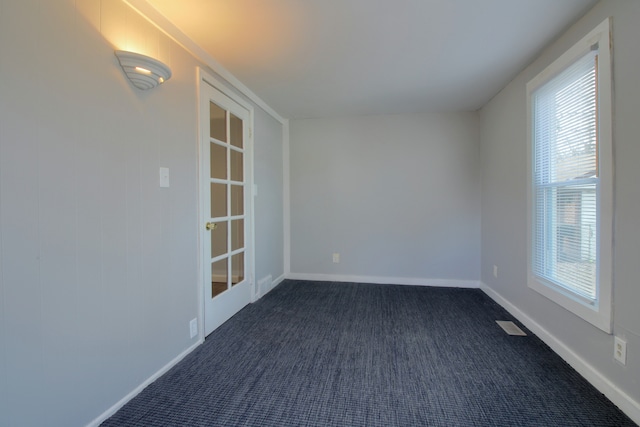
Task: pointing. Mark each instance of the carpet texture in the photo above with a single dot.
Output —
(344, 354)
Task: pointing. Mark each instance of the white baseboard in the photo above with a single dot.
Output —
(595, 377)
(277, 281)
(444, 283)
(112, 410)
(264, 286)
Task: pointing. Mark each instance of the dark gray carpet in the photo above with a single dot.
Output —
(340, 354)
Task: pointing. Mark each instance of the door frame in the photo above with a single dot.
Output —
(205, 78)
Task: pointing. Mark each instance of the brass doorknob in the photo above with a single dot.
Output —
(211, 226)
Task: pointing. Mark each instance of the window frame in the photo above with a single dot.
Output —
(598, 313)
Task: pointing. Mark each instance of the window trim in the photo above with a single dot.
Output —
(599, 313)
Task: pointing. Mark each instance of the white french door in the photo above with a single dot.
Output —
(226, 207)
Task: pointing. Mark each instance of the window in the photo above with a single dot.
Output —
(571, 179)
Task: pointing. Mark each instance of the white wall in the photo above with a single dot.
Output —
(398, 196)
(98, 265)
(504, 215)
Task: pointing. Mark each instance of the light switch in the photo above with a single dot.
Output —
(164, 177)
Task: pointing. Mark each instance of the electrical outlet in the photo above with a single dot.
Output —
(495, 271)
(193, 327)
(336, 258)
(620, 350)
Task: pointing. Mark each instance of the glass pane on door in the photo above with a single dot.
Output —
(237, 234)
(237, 268)
(218, 200)
(237, 170)
(237, 200)
(219, 277)
(235, 127)
(219, 239)
(217, 122)
(218, 161)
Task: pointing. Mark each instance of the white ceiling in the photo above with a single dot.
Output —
(319, 58)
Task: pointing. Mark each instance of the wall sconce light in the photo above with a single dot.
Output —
(143, 71)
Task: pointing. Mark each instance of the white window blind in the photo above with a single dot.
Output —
(566, 178)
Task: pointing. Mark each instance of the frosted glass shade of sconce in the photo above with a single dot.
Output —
(143, 71)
